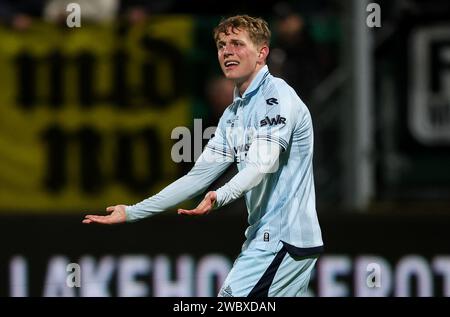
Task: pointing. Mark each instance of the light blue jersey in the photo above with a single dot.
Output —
(268, 132)
(282, 206)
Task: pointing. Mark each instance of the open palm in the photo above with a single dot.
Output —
(117, 215)
(205, 206)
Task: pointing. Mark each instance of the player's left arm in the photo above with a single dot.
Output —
(262, 158)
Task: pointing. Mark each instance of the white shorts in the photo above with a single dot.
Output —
(263, 273)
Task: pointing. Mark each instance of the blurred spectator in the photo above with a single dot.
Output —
(19, 14)
(219, 95)
(294, 55)
(91, 10)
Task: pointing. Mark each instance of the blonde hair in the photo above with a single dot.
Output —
(257, 28)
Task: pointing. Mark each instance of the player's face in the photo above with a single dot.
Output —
(239, 58)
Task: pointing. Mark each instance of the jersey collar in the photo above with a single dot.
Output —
(254, 86)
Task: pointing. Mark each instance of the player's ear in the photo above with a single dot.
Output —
(263, 53)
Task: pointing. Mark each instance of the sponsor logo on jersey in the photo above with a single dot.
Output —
(273, 121)
(272, 101)
(241, 148)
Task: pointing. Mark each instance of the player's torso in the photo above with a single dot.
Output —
(274, 205)
(241, 127)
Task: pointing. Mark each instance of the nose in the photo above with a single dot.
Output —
(227, 51)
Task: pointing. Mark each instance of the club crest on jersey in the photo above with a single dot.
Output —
(273, 121)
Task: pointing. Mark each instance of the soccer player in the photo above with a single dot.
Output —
(268, 132)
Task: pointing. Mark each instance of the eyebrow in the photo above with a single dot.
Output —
(232, 41)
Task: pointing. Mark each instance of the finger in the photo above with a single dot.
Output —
(99, 219)
(88, 219)
(186, 212)
(193, 212)
(92, 217)
(110, 208)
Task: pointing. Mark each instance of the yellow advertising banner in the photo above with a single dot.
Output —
(86, 113)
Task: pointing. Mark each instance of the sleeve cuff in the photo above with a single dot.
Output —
(219, 199)
(129, 214)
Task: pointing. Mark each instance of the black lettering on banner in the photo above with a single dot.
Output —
(26, 79)
(151, 86)
(163, 57)
(56, 63)
(126, 156)
(120, 91)
(149, 73)
(56, 87)
(89, 143)
(56, 142)
(86, 63)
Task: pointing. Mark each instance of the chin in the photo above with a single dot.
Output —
(230, 77)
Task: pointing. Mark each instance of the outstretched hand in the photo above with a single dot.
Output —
(117, 215)
(205, 206)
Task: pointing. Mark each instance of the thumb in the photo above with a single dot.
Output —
(110, 208)
(212, 195)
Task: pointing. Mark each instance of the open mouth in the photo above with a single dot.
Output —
(231, 64)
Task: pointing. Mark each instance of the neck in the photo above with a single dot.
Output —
(242, 86)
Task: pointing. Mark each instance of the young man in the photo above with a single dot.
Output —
(268, 131)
